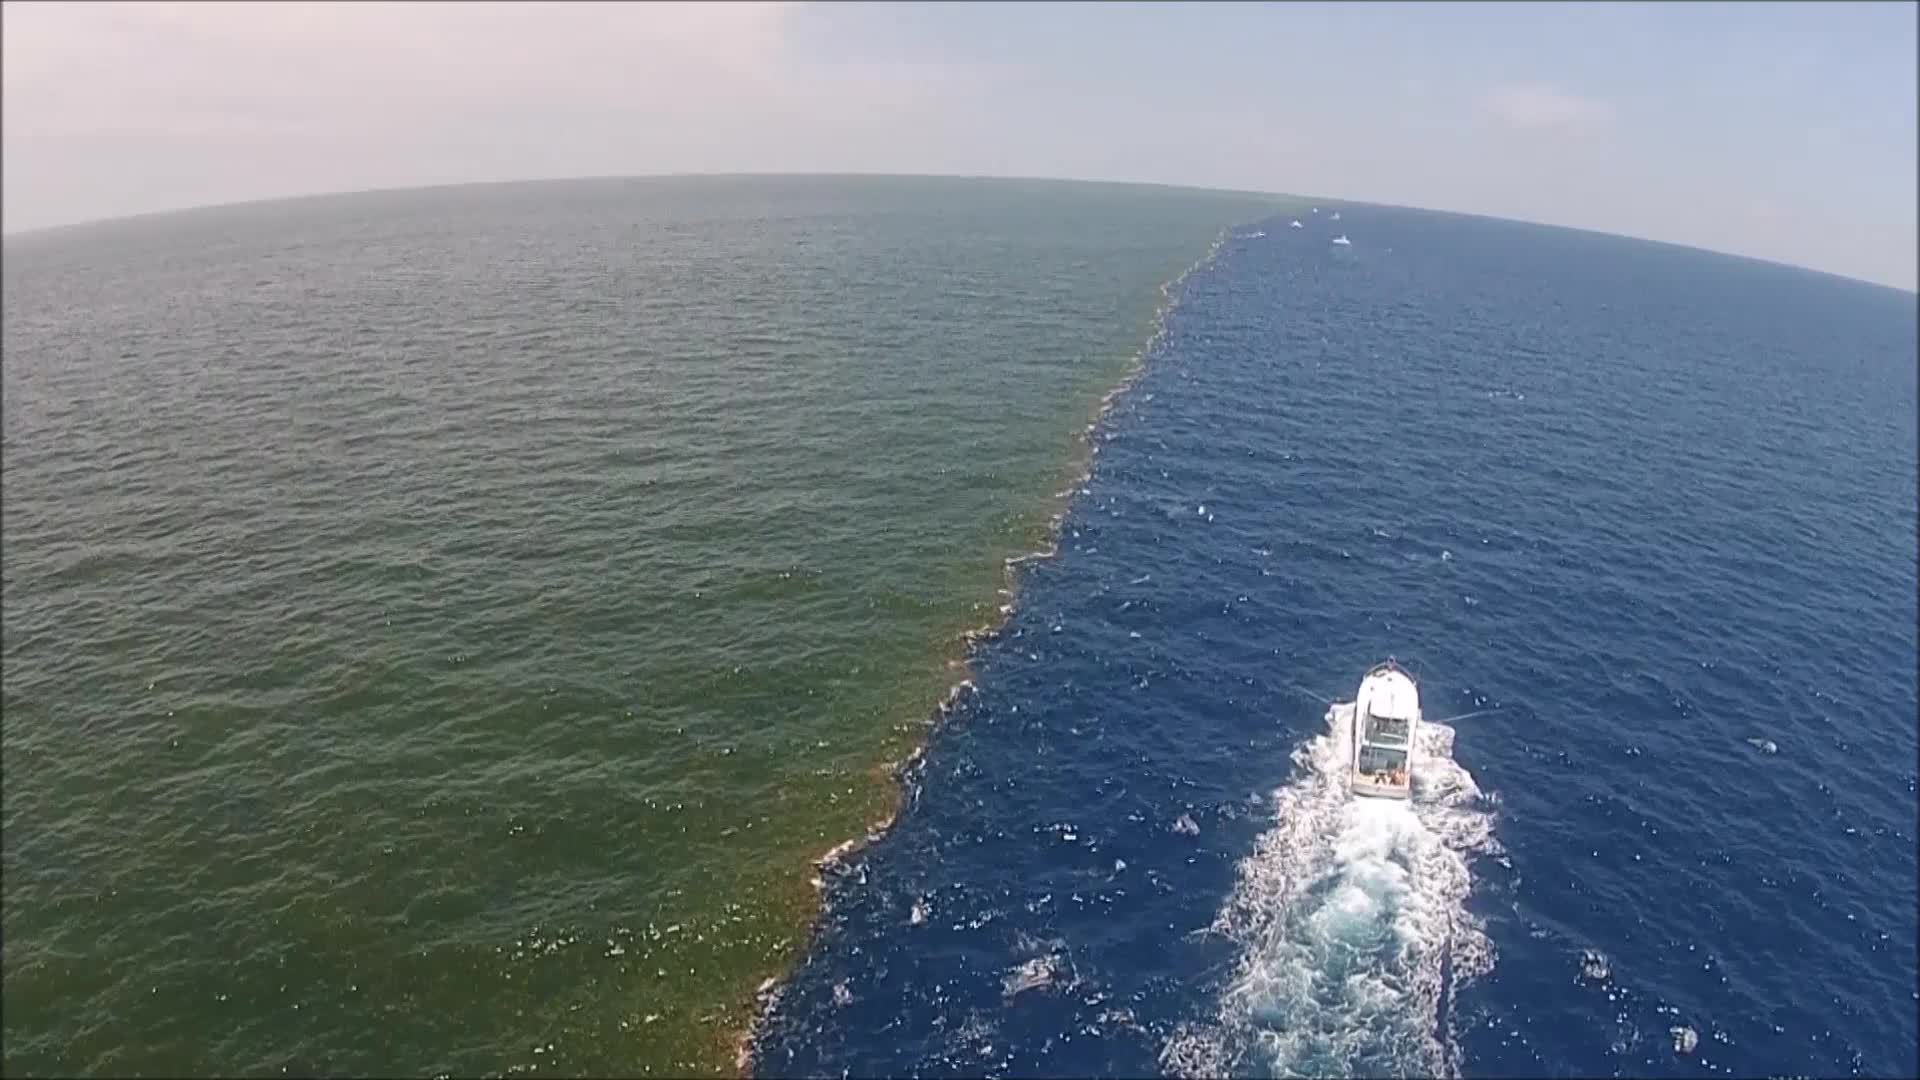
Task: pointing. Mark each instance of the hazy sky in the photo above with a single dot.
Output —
(1782, 131)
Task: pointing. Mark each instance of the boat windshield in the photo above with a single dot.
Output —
(1377, 762)
(1382, 729)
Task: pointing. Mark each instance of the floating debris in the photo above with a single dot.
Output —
(1035, 974)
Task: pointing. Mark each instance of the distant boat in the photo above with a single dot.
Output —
(1315, 210)
(1385, 722)
(1336, 215)
(1296, 224)
(1342, 240)
(1256, 235)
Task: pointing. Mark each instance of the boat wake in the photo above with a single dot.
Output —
(1351, 921)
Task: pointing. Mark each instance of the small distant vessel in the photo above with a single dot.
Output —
(1342, 240)
(1336, 215)
(1296, 224)
(1385, 719)
(1315, 210)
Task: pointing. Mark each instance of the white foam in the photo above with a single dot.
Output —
(1685, 1039)
(1351, 920)
(1594, 966)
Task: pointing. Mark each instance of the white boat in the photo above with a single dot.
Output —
(1342, 240)
(1296, 224)
(1385, 719)
(1336, 215)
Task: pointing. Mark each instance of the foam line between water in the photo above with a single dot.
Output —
(768, 993)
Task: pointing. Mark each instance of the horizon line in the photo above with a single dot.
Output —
(144, 215)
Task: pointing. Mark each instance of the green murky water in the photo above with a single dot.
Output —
(441, 628)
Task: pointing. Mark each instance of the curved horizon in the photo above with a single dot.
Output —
(1332, 200)
(1787, 132)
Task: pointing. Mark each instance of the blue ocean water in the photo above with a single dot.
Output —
(1644, 514)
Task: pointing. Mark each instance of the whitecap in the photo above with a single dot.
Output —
(1594, 966)
(1685, 1039)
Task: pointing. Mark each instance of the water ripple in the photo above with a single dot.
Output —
(461, 615)
(1647, 505)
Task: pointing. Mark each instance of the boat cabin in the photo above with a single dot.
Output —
(1386, 717)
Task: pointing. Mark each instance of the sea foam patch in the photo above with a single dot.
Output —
(1352, 926)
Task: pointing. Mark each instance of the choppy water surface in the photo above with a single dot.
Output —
(441, 628)
(1654, 508)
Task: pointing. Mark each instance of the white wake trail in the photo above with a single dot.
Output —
(1351, 920)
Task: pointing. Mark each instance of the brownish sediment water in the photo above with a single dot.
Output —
(888, 772)
(469, 614)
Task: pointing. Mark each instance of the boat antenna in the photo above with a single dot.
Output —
(1468, 715)
(1311, 694)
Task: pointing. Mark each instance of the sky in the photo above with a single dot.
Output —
(1781, 131)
